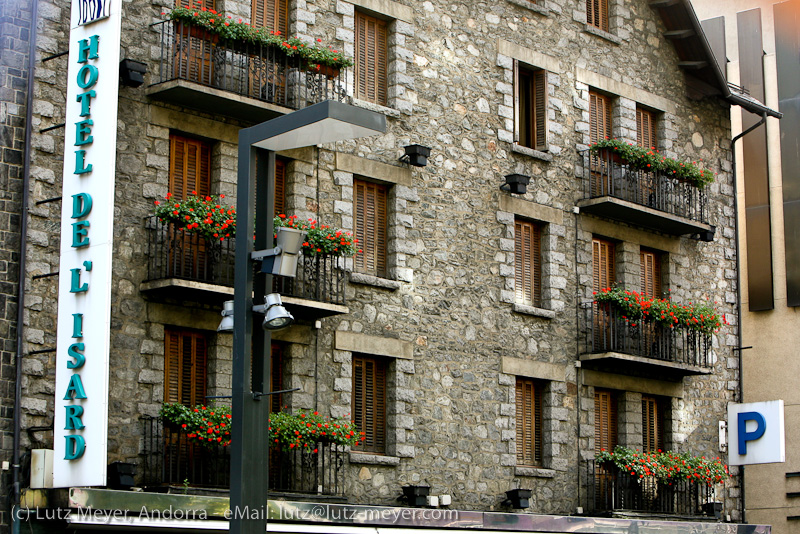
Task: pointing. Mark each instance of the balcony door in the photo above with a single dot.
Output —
(599, 129)
(603, 276)
(605, 438)
(267, 77)
(193, 50)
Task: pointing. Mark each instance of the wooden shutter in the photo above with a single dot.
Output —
(528, 263)
(602, 264)
(650, 273)
(193, 4)
(185, 367)
(369, 402)
(652, 424)
(270, 14)
(605, 420)
(597, 14)
(599, 117)
(371, 59)
(189, 167)
(645, 128)
(529, 422)
(370, 226)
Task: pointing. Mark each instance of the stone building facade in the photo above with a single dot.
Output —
(445, 319)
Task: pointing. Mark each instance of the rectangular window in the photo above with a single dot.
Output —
(370, 224)
(528, 262)
(603, 253)
(189, 167)
(530, 106)
(646, 128)
(599, 117)
(185, 366)
(529, 422)
(272, 15)
(371, 59)
(605, 420)
(369, 402)
(652, 424)
(650, 273)
(597, 14)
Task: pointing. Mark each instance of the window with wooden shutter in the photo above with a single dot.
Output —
(652, 424)
(272, 15)
(599, 117)
(185, 366)
(370, 224)
(650, 273)
(529, 422)
(602, 264)
(605, 420)
(193, 4)
(645, 128)
(530, 106)
(528, 262)
(597, 14)
(369, 402)
(189, 167)
(371, 63)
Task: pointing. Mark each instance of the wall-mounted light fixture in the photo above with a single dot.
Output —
(416, 495)
(282, 260)
(518, 498)
(708, 235)
(516, 184)
(131, 73)
(275, 315)
(226, 325)
(416, 155)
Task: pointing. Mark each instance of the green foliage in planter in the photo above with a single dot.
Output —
(666, 467)
(650, 159)
(305, 429)
(320, 238)
(209, 425)
(206, 216)
(635, 307)
(236, 31)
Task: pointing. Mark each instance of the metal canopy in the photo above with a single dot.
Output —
(325, 122)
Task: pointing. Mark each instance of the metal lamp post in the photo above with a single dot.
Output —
(321, 123)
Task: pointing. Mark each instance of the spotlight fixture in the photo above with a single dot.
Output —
(275, 315)
(226, 325)
(516, 184)
(416, 155)
(518, 498)
(282, 260)
(416, 495)
(708, 236)
(131, 72)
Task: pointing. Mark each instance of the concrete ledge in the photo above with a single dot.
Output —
(533, 310)
(531, 210)
(588, 28)
(538, 154)
(537, 472)
(533, 369)
(528, 4)
(369, 280)
(387, 7)
(373, 459)
(526, 55)
(379, 346)
(373, 169)
(648, 386)
(389, 112)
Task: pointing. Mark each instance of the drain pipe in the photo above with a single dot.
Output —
(26, 175)
(739, 349)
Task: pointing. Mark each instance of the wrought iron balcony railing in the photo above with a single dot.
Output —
(606, 175)
(605, 329)
(194, 54)
(169, 458)
(174, 253)
(609, 490)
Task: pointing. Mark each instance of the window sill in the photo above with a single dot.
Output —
(391, 112)
(373, 459)
(602, 34)
(533, 310)
(529, 4)
(375, 281)
(538, 154)
(537, 472)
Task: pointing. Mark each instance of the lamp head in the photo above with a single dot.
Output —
(226, 325)
(276, 316)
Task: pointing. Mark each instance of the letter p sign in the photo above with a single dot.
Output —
(757, 434)
(744, 435)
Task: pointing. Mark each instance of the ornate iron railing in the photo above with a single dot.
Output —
(169, 458)
(194, 54)
(605, 329)
(606, 175)
(174, 253)
(608, 489)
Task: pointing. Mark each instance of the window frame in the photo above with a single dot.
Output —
(371, 71)
(646, 128)
(597, 102)
(529, 422)
(606, 426)
(597, 14)
(175, 361)
(370, 417)
(651, 273)
(273, 11)
(653, 424)
(372, 237)
(180, 151)
(527, 263)
(530, 97)
(607, 264)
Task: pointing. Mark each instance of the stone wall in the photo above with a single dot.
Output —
(445, 318)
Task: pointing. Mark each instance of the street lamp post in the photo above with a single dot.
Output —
(321, 123)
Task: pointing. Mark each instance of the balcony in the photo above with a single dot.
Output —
(612, 492)
(247, 82)
(186, 266)
(612, 344)
(171, 463)
(615, 190)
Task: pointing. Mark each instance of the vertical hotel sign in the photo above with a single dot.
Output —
(87, 226)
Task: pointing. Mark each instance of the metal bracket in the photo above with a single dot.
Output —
(257, 394)
(261, 254)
